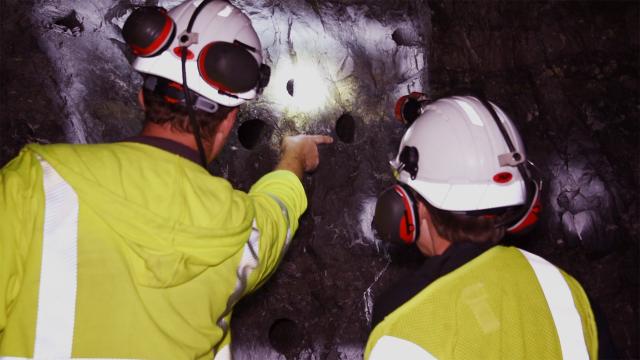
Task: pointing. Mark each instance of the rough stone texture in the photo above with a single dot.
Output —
(567, 72)
(95, 81)
(30, 109)
(329, 276)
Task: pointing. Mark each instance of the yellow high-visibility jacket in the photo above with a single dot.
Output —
(504, 304)
(127, 251)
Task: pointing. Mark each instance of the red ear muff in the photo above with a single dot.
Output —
(407, 226)
(399, 106)
(395, 218)
(407, 107)
(532, 214)
(229, 67)
(148, 31)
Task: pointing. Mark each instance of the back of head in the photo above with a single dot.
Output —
(209, 46)
(459, 149)
(465, 160)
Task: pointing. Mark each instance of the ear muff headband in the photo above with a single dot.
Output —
(185, 87)
(228, 67)
(148, 31)
(532, 215)
(525, 219)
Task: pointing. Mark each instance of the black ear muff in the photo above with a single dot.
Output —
(229, 67)
(265, 76)
(409, 158)
(148, 31)
(396, 216)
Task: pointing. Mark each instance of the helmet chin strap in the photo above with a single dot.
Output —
(187, 94)
(192, 116)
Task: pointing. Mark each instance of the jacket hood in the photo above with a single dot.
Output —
(173, 220)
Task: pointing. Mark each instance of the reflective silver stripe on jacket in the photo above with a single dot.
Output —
(59, 269)
(285, 213)
(566, 316)
(250, 260)
(222, 354)
(391, 347)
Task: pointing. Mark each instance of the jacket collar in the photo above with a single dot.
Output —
(167, 145)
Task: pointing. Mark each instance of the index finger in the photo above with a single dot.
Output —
(321, 139)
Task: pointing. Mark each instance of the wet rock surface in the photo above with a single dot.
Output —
(566, 72)
(30, 108)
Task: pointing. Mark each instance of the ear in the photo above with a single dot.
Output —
(423, 219)
(424, 241)
(141, 99)
(423, 213)
(432, 243)
(222, 133)
(226, 125)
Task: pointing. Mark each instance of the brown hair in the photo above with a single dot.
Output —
(465, 228)
(159, 111)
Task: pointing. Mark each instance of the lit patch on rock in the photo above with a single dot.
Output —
(298, 87)
(365, 218)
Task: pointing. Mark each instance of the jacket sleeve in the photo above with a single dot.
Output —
(279, 201)
(20, 194)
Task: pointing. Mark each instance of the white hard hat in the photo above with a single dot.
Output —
(219, 28)
(457, 158)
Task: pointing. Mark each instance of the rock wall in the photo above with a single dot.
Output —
(358, 59)
(567, 73)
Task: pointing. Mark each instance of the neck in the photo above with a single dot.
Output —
(430, 242)
(439, 244)
(165, 131)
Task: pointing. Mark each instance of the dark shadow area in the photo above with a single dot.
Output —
(30, 107)
(253, 132)
(286, 337)
(567, 73)
(346, 128)
(406, 37)
(69, 23)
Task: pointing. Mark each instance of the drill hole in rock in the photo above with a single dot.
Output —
(291, 87)
(253, 132)
(69, 24)
(346, 128)
(406, 37)
(286, 337)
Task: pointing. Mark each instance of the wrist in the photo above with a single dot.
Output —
(292, 162)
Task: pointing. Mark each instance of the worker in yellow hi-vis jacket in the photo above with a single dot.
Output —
(132, 250)
(463, 182)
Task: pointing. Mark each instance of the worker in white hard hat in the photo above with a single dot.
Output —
(132, 250)
(463, 182)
